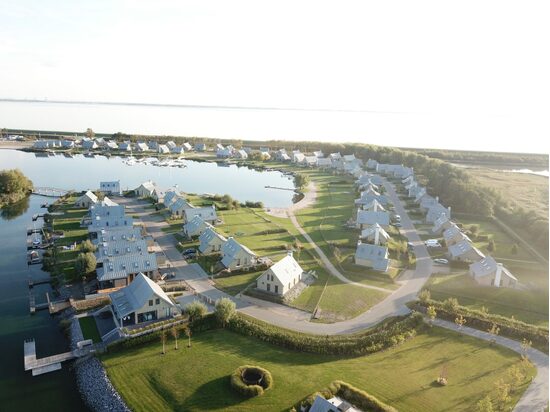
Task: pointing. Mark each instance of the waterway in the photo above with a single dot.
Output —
(82, 173)
(57, 391)
(19, 390)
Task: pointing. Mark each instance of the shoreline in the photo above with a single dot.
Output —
(94, 386)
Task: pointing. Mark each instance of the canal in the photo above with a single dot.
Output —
(19, 390)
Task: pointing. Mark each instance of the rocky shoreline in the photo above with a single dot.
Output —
(93, 383)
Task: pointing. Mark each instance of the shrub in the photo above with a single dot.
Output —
(351, 394)
(224, 310)
(238, 384)
(195, 310)
(482, 320)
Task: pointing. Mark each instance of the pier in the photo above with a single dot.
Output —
(49, 191)
(52, 306)
(49, 363)
(33, 283)
(279, 188)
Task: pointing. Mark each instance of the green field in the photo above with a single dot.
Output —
(197, 379)
(89, 328)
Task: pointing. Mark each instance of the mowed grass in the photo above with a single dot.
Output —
(89, 328)
(197, 378)
(529, 306)
(234, 284)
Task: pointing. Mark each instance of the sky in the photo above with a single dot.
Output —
(469, 70)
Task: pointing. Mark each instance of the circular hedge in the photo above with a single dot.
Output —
(251, 381)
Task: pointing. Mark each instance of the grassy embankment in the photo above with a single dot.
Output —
(69, 223)
(197, 378)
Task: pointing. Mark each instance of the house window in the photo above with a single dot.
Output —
(276, 288)
(269, 287)
(157, 301)
(151, 302)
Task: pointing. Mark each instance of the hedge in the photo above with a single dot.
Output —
(351, 394)
(387, 334)
(237, 383)
(382, 336)
(511, 328)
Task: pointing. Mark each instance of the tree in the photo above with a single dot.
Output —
(196, 310)
(491, 247)
(525, 346)
(502, 394)
(493, 330)
(14, 186)
(301, 180)
(85, 263)
(87, 246)
(516, 375)
(432, 313)
(474, 229)
(89, 133)
(485, 405)
(188, 334)
(425, 295)
(163, 341)
(224, 310)
(514, 249)
(175, 334)
(460, 321)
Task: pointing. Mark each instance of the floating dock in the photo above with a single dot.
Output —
(44, 365)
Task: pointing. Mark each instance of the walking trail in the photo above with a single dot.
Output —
(535, 397)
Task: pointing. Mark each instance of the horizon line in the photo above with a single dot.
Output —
(199, 106)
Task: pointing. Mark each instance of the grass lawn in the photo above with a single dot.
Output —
(530, 306)
(197, 379)
(236, 283)
(89, 328)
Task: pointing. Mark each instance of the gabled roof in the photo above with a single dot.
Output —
(170, 197)
(180, 204)
(113, 234)
(148, 185)
(206, 213)
(452, 232)
(207, 236)
(120, 247)
(368, 217)
(195, 225)
(377, 254)
(464, 247)
(89, 195)
(374, 205)
(285, 270)
(134, 296)
(371, 231)
(367, 198)
(488, 266)
(231, 248)
(119, 267)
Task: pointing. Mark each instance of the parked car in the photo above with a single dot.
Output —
(432, 243)
(186, 251)
(441, 261)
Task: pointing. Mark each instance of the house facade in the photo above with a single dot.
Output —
(110, 188)
(141, 301)
(281, 277)
(86, 200)
(236, 256)
(488, 272)
(211, 241)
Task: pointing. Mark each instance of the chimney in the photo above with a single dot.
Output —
(359, 242)
(437, 198)
(377, 236)
(375, 205)
(498, 275)
(289, 253)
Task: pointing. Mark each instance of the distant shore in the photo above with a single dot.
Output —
(15, 144)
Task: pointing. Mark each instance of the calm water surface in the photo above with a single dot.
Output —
(81, 173)
(19, 390)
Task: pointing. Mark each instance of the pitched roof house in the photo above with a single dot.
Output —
(170, 197)
(187, 146)
(142, 147)
(207, 213)
(211, 241)
(464, 251)
(141, 301)
(375, 234)
(200, 147)
(281, 277)
(374, 205)
(371, 164)
(366, 198)
(120, 270)
(373, 256)
(453, 235)
(163, 149)
(490, 273)
(107, 250)
(237, 256)
(241, 154)
(86, 200)
(437, 210)
(442, 223)
(178, 207)
(111, 188)
(146, 189)
(115, 234)
(195, 227)
(298, 157)
(318, 153)
(366, 218)
(324, 162)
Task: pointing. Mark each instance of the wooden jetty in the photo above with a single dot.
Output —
(33, 283)
(279, 188)
(49, 191)
(52, 306)
(39, 366)
(37, 216)
(33, 230)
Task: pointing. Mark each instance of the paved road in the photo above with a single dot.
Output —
(535, 398)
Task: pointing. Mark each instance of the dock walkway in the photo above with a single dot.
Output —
(49, 363)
